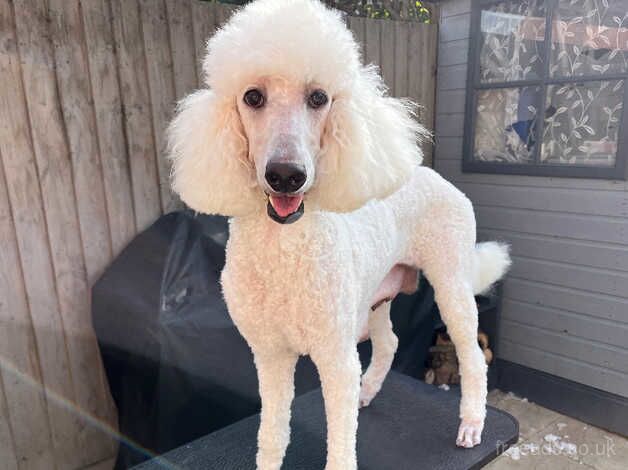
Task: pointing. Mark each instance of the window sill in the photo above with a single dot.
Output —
(563, 171)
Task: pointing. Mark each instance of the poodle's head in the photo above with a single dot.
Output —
(290, 119)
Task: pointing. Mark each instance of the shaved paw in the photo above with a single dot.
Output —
(470, 433)
(367, 393)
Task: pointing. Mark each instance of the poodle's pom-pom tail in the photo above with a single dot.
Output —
(491, 262)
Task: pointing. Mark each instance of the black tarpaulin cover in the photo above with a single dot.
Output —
(177, 366)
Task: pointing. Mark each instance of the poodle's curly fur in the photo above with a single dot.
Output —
(373, 218)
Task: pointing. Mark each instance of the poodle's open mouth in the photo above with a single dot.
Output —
(285, 209)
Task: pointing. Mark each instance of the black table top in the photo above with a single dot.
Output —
(410, 425)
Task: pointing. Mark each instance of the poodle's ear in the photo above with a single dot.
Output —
(210, 169)
(369, 146)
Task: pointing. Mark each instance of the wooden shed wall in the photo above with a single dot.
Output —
(565, 307)
(87, 88)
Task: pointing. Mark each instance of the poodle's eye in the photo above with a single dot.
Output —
(254, 98)
(317, 99)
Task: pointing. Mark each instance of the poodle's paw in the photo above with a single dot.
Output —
(367, 393)
(342, 464)
(470, 433)
(261, 465)
(269, 458)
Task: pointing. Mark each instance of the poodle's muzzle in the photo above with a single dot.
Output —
(285, 204)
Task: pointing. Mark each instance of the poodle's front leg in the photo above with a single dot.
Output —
(275, 372)
(458, 309)
(339, 368)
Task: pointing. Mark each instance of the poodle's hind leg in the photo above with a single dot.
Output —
(384, 343)
(276, 386)
(458, 309)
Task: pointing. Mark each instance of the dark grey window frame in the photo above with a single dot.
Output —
(471, 165)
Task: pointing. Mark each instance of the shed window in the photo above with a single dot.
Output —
(547, 88)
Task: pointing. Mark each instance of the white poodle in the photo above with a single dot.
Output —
(293, 128)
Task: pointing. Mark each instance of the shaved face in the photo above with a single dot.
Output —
(283, 122)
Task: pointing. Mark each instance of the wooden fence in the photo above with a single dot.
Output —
(86, 90)
(406, 55)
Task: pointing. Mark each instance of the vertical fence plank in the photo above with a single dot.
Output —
(204, 23)
(429, 88)
(431, 102)
(401, 59)
(55, 175)
(106, 92)
(223, 13)
(7, 446)
(372, 41)
(19, 362)
(387, 54)
(161, 87)
(78, 114)
(183, 46)
(136, 109)
(415, 62)
(421, 55)
(25, 199)
(356, 25)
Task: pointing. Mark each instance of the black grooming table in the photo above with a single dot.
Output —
(410, 425)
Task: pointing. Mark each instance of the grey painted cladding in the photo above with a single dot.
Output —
(565, 306)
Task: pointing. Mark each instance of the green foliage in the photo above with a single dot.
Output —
(412, 10)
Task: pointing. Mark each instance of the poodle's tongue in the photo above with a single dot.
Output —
(286, 205)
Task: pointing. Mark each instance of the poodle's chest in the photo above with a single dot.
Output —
(287, 299)
(306, 280)
(285, 277)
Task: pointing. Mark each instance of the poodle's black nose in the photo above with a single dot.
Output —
(285, 177)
